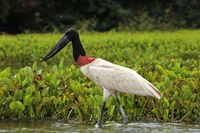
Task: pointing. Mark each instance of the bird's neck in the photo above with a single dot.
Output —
(84, 60)
(78, 49)
(79, 53)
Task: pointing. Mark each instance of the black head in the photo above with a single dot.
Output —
(70, 35)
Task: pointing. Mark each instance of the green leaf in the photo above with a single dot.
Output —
(155, 111)
(20, 105)
(18, 95)
(30, 90)
(187, 92)
(5, 72)
(165, 103)
(34, 66)
(25, 82)
(44, 65)
(160, 68)
(17, 105)
(111, 110)
(54, 99)
(37, 98)
(175, 94)
(166, 115)
(61, 63)
(167, 81)
(31, 112)
(172, 105)
(13, 106)
(54, 69)
(27, 99)
(45, 92)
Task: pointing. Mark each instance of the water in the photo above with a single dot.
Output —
(112, 127)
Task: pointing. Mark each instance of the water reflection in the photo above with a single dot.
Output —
(111, 127)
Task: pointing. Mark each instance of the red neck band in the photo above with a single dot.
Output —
(84, 60)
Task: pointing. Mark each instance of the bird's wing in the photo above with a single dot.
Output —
(122, 79)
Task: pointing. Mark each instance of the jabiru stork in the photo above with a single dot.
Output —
(111, 77)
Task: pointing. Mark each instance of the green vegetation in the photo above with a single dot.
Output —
(56, 89)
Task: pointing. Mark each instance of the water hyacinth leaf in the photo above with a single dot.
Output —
(61, 63)
(54, 100)
(172, 108)
(172, 105)
(64, 99)
(13, 106)
(18, 95)
(166, 115)
(45, 92)
(98, 99)
(175, 94)
(78, 112)
(17, 105)
(5, 91)
(167, 81)
(26, 72)
(44, 65)
(111, 110)
(122, 101)
(165, 103)
(38, 109)
(30, 90)
(18, 79)
(31, 112)
(160, 68)
(55, 69)
(177, 68)
(5, 72)
(186, 92)
(27, 99)
(56, 83)
(192, 85)
(34, 66)
(81, 100)
(20, 105)
(74, 88)
(9, 99)
(155, 111)
(25, 82)
(45, 100)
(37, 98)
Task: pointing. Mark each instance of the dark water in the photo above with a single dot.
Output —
(112, 127)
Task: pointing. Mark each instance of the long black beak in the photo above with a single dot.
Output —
(60, 45)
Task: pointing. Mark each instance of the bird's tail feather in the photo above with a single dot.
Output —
(152, 90)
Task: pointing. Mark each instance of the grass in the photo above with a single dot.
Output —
(56, 89)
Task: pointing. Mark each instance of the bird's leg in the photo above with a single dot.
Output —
(106, 94)
(99, 123)
(125, 118)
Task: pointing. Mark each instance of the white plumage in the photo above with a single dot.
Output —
(114, 78)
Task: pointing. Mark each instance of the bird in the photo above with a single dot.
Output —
(112, 78)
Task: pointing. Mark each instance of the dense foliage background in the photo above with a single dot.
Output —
(100, 15)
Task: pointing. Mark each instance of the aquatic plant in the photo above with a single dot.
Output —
(58, 90)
